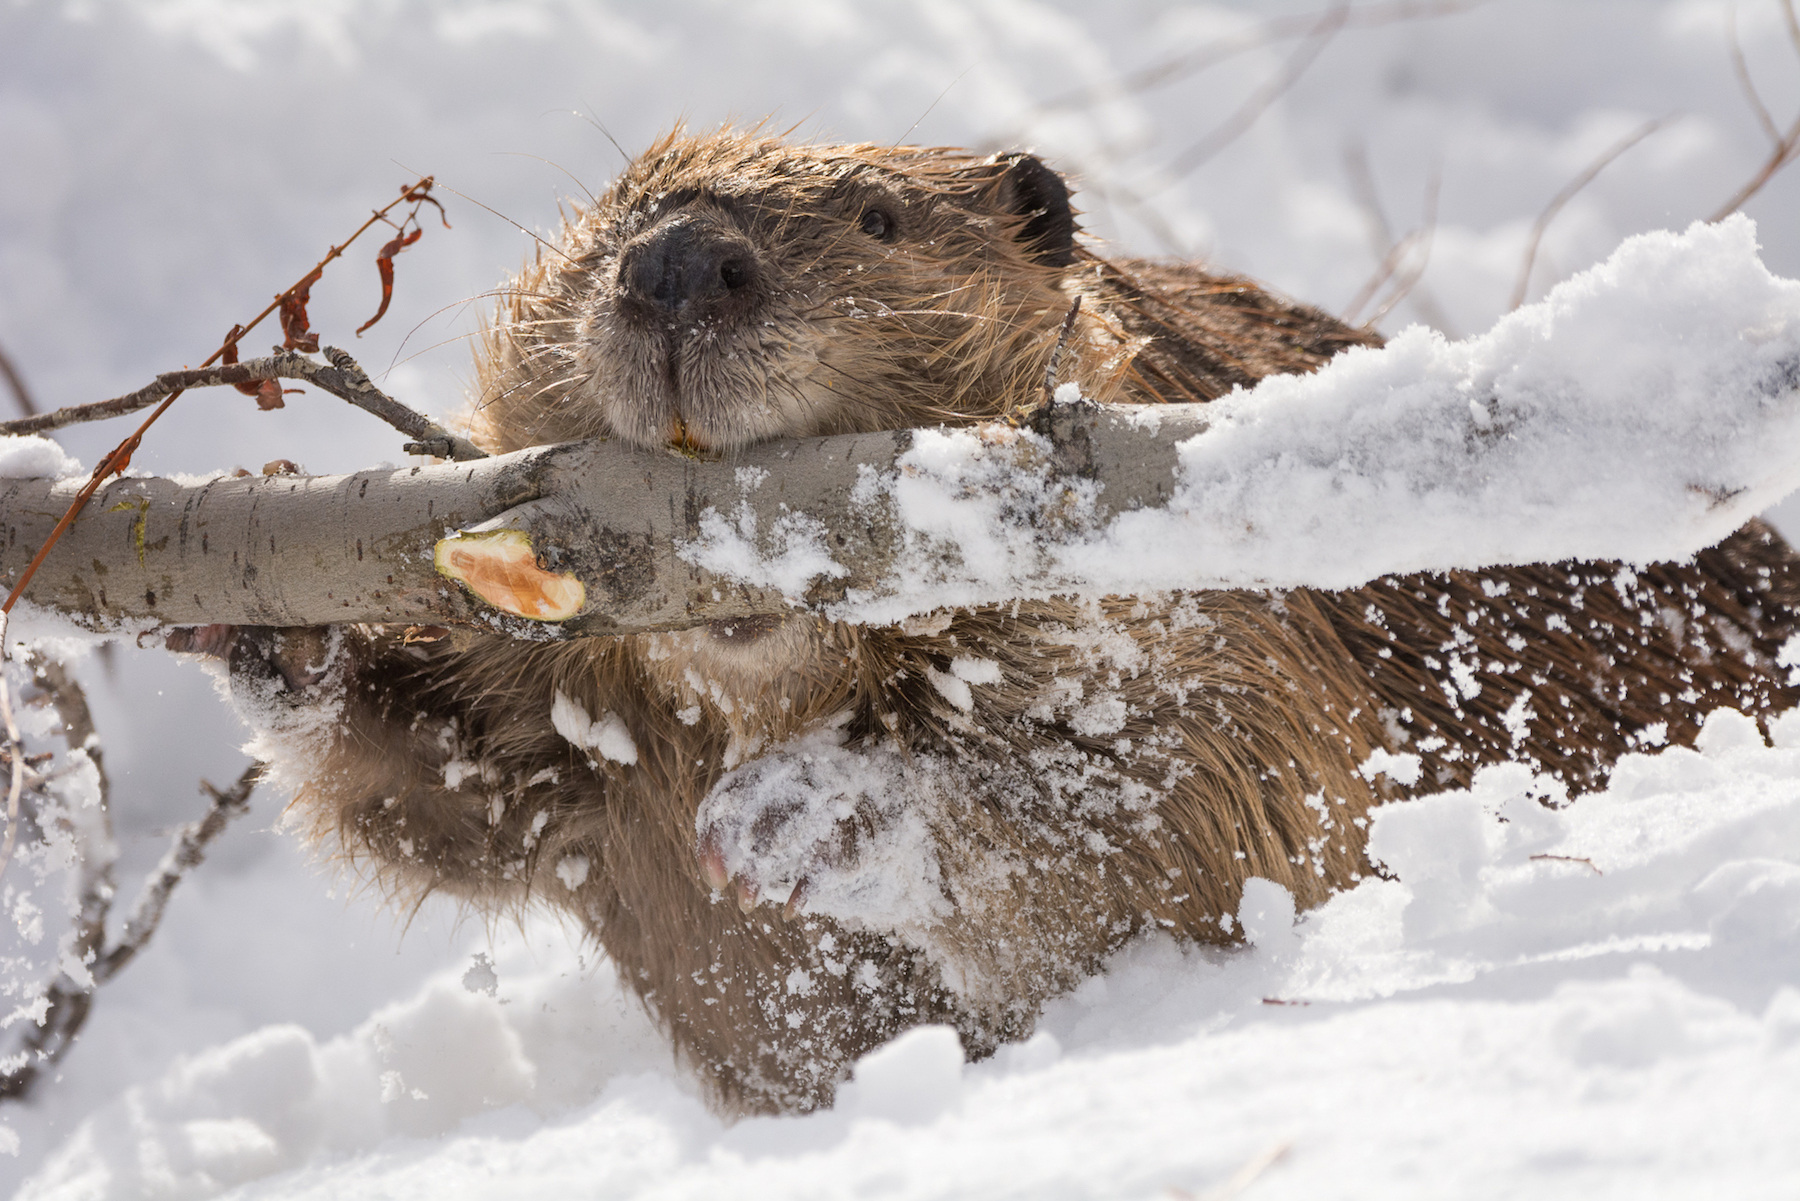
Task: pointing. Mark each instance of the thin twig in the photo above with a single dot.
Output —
(1780, 157)
(1234, 126)
(1192, 62)
(1390, 262)
(67, 1001)
(185, 854)
(1742, 69)
(1570, 859)
(1056, 354)
(70, 1001)
(119, 457)
(342, 377)
(15, 381)
(1388, 253)
(1567, 194)
(1423, 237)
(1786, 145)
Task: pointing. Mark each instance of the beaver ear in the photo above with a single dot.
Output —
(1029, 189)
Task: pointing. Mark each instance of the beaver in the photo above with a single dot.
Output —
(796, 837)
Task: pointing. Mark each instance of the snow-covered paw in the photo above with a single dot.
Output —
(827, 829)
(270, 667)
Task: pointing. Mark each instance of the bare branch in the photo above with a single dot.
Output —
(1787, 144)
(1568, 193)
(1234, 126)
(1422, 237)
(1384, 270)
(15, 381)
(599, 538)
(68, 1002)
(291, 303)
(1389, 254)
(1198, 59)
(15, 755)
(1742, 70)
(1784, 153)
(185, 854)
(342, 377)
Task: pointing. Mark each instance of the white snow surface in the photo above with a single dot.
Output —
(29, 456)
(605, 735)
(1485, 1024)
(1601, 1000)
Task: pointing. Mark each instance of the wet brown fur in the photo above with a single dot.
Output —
(1245, 716)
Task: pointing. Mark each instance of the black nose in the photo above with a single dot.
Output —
(683, 266)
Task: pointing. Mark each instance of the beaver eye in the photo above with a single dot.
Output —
(878, 225)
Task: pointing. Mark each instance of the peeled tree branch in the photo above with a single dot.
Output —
(588, 538)
(1578, 428)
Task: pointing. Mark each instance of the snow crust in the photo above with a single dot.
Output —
(1595, 1000)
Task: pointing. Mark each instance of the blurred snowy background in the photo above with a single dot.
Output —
(167, 165)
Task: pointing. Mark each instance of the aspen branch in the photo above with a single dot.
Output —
(623, 523)
(595, 538)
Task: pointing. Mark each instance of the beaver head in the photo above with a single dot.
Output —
(730, 288)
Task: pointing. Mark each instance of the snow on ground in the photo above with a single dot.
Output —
(1486, 1025)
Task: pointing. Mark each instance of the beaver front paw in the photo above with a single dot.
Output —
(266, 663)
(846, 833)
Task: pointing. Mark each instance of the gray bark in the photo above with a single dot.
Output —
(296, 550)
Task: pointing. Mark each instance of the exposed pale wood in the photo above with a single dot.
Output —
(297, 550)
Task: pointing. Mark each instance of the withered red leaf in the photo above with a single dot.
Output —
(384, 263)
(228, 354)
(295, 325)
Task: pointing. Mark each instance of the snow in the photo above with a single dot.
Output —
(1621, 1020)
(606, 735)
(1557, 1002)
(730, 548)
(28, 456)
(777, 820)
(1641, 411)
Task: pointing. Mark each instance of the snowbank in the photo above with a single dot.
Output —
(1601, 1000)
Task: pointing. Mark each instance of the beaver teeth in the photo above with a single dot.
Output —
(681, 437)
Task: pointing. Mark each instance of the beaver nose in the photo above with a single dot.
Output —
(685, 265)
